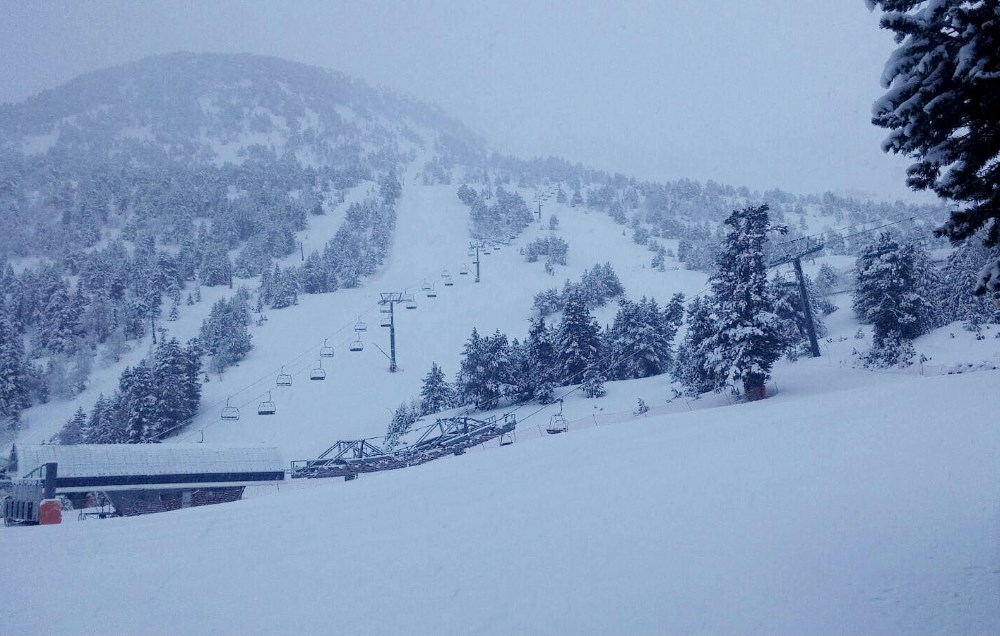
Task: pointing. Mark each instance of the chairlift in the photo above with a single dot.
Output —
(326, 351)
(267, 406)
(431, 292)
(557, 423)
(506, 439)
(357, 345)
(386, 322)
(426, 286)
(445, 273)
(284, 379)
(230, 412)
(448, 282)
(319, 373)
(411, 302)
(464, 271)
(360, 326)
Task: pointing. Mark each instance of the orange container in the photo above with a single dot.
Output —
(49, 512)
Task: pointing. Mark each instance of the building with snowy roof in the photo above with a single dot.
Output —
(144, 478)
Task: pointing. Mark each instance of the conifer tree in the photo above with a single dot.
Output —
(748, 336)
(543, 364)
(436, 394)
(224, 334)
(103, 425)
(137, 403)
(73, 430)
(942, 107)
(483, 377)
(885, 297)
(13, 372)
(402, 421)
(692, 368)
(578, 339)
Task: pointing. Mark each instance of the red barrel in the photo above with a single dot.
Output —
(49, 512)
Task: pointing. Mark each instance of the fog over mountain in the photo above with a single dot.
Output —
(753, 94)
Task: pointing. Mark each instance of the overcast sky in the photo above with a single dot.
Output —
(760, 93)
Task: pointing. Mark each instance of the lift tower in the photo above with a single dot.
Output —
(390, 299)
(475, 246)
(793, 254)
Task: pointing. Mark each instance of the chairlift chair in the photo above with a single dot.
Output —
(267, 406)
(386, 322)
(326, 351)
(230, 412)
(360, 326)
(357, 345)
(319, 373)
(464, 271)
(431, 292)
(448, 282)
(284, 379)
(557, 423)
(506, 439)
(445, 273)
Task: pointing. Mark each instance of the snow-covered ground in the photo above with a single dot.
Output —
(849, 501)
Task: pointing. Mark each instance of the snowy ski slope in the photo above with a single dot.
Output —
(849, 501)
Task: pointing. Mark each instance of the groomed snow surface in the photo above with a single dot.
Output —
(870, 507)
(847, 502)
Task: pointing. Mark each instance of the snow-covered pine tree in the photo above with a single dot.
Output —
(578, 339)
(521, 382)
(103, 425)
(484, 374)
(542, 360)
(593, 384)
(137, 403)
(942, 107)
(224, 334)
(170, 381)
(436, 394)
(638, 348)
(958, 275)
(402, 420)
(748, 336)
(13, 373)
(692, 368)
(60, 322)
(885, 297)
(929, 283)
(73, 430)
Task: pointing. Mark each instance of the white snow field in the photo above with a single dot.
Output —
(848, 502)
